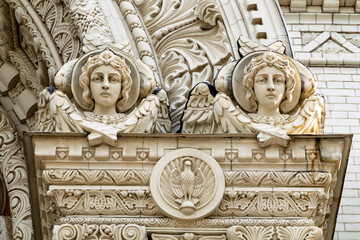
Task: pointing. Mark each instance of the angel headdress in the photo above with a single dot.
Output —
(264, 92)
(110, 93)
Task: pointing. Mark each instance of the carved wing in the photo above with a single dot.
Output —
(143, 118)
(247, 46)
(163, 123)
(199, 182)
(58, 113)
(310, 119)
(45, 120)
(175, 183)
(229, 118)
(198, 115)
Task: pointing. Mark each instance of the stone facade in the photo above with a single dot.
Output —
(181, 43)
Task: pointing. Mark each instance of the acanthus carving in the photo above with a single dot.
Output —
(301, 233)
(95, 177)
(250, 233)
(90, 23)
(207, 223)
(35, 45)
(190, 42)
(272, 178)
(110, 202)
(57, 19)
(242, 203)
(85, 231)
(186, 236)
(13, 167)
(26, 69)
(5, 33)
(268, 233)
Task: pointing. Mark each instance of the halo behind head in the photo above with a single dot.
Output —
(106, 57)
(240, 91)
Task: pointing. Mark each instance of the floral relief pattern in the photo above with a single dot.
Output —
(89, 202)
(13, 166)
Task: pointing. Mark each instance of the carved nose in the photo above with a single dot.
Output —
(270, 85)
(105, 84)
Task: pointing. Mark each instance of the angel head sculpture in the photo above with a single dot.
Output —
(110, 92)
(269, 83)
(106, 83)
(264, 92)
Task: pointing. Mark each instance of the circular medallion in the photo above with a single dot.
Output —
(187, 184)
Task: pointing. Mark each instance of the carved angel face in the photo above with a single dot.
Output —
(269, 88)
(105, 87)
(106, 82)
(269, 82)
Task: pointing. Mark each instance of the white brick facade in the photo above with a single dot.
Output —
(322, 42)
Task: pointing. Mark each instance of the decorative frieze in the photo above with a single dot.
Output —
(97, 232)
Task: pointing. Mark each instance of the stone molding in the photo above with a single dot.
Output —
(301, 184)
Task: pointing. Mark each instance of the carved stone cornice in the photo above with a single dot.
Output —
(270, 184)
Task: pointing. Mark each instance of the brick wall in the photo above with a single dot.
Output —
(328, 43)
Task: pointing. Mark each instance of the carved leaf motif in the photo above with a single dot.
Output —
(250, 233)
(294, 233)
(281, 177)
(13, 166)
(183, 35)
